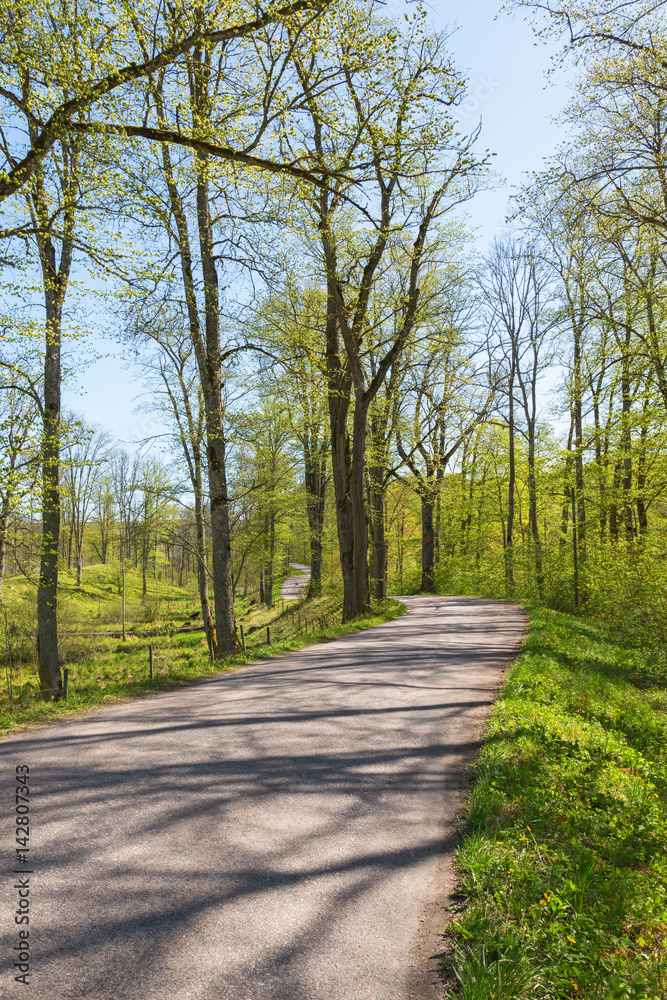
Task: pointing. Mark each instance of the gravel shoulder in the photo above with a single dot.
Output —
(284, 832)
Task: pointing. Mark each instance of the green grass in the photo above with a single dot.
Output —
(563, 865)
(105, 670)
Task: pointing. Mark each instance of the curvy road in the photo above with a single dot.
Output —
(283, 832)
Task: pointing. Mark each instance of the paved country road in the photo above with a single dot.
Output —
(279, 833)
(294, 586)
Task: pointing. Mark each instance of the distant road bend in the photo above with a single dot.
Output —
(280, 833)
(294, 586)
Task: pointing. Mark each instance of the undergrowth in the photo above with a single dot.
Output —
(563, 866)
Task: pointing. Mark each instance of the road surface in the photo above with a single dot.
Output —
(294, 586)
(279, 833)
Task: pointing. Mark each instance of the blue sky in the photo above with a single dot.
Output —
(508, 90)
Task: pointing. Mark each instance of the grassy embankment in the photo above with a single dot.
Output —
(563, 865)
(104, 670)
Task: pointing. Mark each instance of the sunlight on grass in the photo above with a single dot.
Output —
(105, 669)
(563, 868)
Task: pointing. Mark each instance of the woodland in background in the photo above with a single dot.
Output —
(344, 379)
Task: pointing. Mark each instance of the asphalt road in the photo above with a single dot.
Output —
(283, 832)
(294, 586)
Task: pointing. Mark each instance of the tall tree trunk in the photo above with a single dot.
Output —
(4, 531)
(47, 593)
(565, 510)
(532, 511)
(511, 489)
(70, 542)
(315, 481)
(357, 491)
(338, 392)
(580, 502)
(268, 570)
(202, 570)
(209, 364)
(144, 564)
(642, 506)
(55, 278)
(626, 443)
(376, 507)
(428, 539)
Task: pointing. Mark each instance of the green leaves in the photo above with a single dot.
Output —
(567, 825)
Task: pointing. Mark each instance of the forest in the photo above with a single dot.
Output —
(343, 376)
(264, 209)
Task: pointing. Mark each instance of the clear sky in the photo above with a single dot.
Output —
(508, 90)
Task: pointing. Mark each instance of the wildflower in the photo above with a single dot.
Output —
(510, 871)
(571, 939)
(543, 902)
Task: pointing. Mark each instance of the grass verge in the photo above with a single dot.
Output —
(119, 670)
(563, 865)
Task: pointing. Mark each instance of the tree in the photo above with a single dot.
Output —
(517, 291)
(390, 126)
(266, 474)
(446, 402)
(570, 248)
(19, 455)
(95, 53)
(169, 370)
(197, 198)
(288, 328)
(125, 474)
(84, 451)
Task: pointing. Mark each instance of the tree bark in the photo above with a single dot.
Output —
(55, 279)
(532, 511)
(338, 390)
(202, 569)
(580, 504)
(209, 363)
(428, 543)
(315, 459)
(511, 489)
(376, 506)
(4, 530)
(626, 443)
